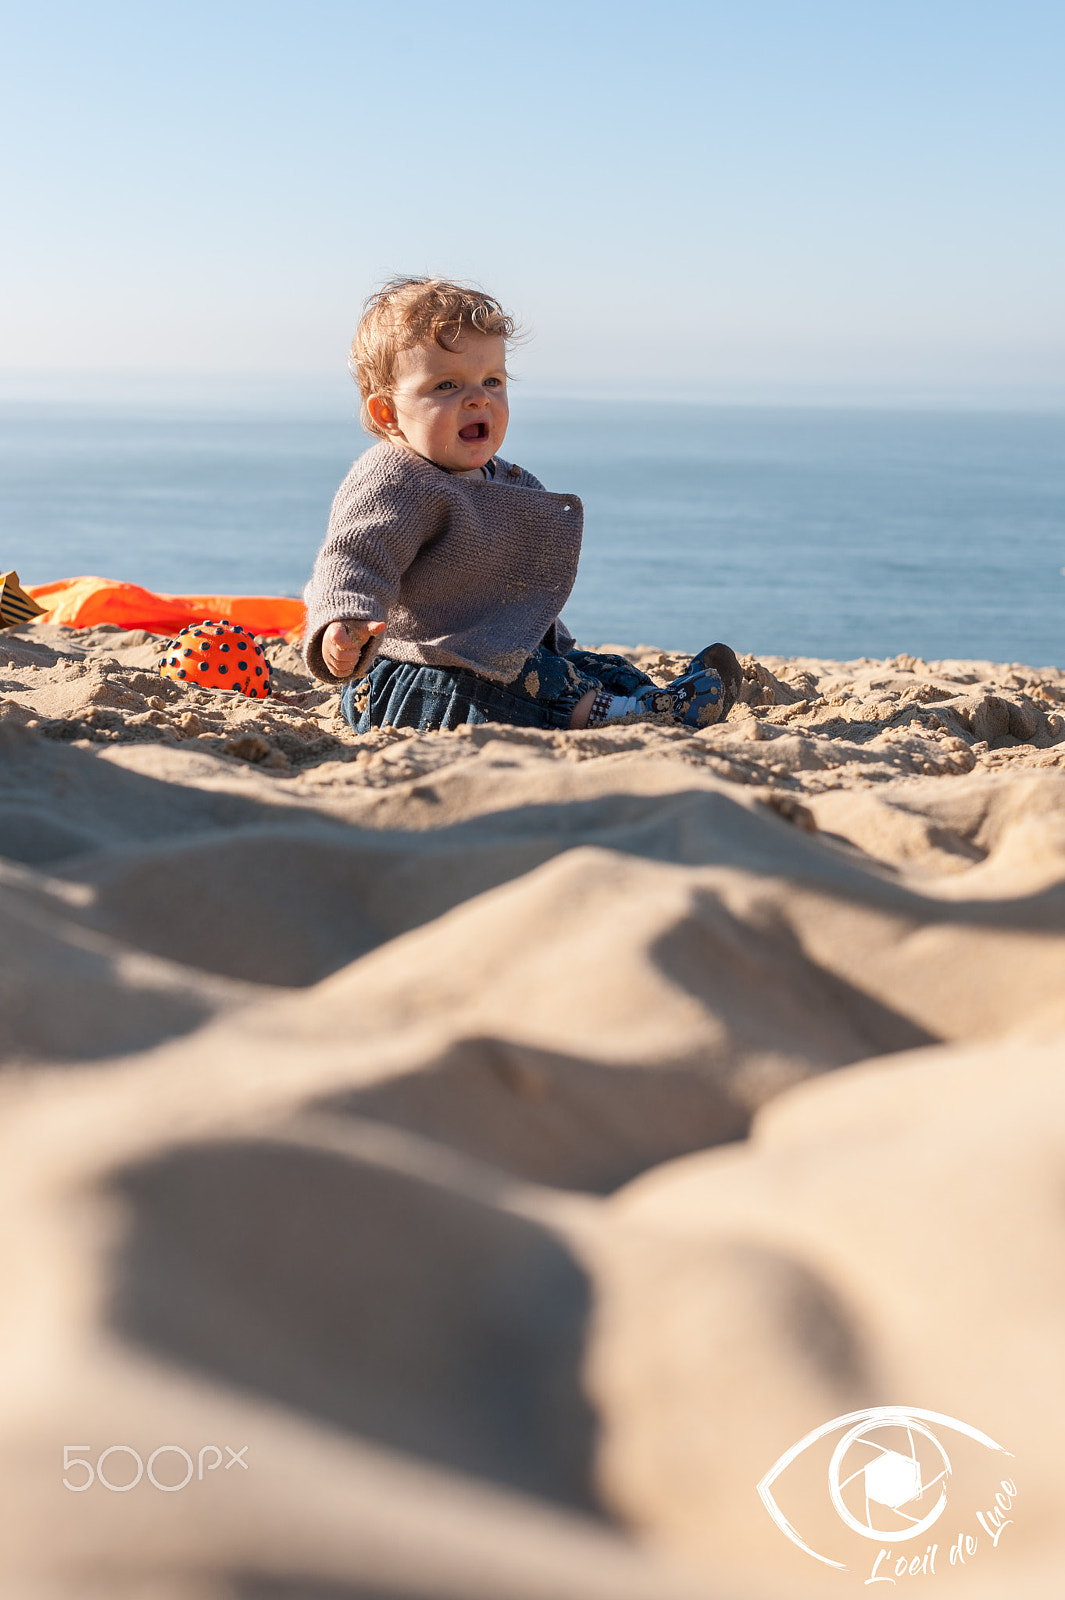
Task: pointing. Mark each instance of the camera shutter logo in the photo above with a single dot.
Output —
(881, 1476)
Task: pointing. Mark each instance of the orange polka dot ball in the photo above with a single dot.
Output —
(218, 655)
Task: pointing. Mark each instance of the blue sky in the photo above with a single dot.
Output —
(719, 200)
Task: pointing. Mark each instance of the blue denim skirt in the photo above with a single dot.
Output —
(403, 694)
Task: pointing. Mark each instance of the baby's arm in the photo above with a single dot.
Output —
(344, 642)
(376, 528)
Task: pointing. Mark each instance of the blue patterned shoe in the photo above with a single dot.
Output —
(704, 693)
(707, 689)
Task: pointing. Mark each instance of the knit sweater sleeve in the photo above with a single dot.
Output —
(376, 527)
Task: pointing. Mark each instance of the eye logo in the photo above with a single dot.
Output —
(888, 1475)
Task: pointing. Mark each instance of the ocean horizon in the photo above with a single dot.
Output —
(785, 530)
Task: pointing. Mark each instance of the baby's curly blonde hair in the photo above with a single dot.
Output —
(410, 311)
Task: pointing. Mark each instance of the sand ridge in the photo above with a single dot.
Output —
(520, 1139)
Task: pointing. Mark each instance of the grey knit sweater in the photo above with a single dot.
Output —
(468, 572)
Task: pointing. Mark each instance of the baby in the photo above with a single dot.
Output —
(435, 598)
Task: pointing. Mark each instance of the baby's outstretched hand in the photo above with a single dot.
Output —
(344, 642)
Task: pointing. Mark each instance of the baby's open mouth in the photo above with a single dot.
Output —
(474, 430)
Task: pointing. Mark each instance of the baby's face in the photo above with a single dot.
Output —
(449, 405)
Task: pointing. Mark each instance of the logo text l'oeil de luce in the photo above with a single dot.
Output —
(887, 1482)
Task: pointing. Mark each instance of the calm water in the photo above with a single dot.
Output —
(839, 533)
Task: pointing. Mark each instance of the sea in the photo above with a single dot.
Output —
(783, 531)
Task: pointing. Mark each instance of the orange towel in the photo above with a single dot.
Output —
(85, 602)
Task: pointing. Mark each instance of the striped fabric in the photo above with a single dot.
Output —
(15, 604)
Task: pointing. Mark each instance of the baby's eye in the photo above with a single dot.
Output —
(493, 383)
(447, 384)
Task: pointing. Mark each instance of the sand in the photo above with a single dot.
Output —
(517, 1141)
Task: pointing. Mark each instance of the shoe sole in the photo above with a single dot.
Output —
(723, 660)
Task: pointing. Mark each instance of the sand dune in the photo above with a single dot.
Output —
(520, 1140)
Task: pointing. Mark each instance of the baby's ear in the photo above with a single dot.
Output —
(381, 413)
